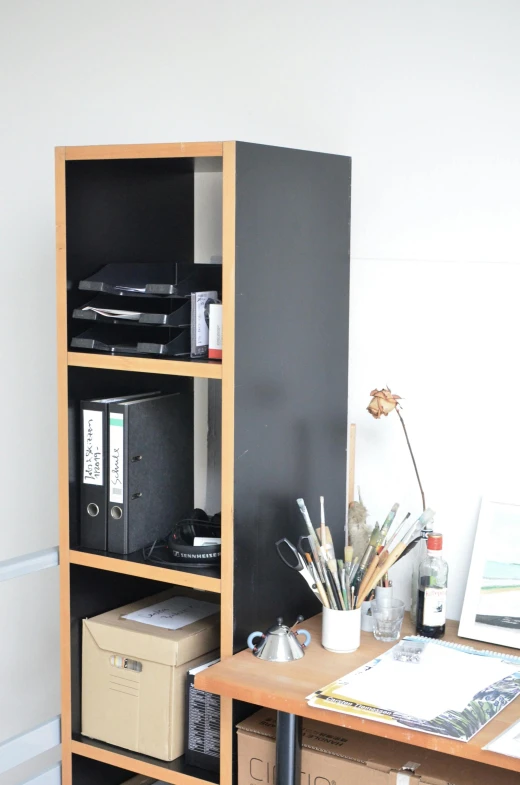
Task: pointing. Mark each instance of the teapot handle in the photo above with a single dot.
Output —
(307, 637)
(251, 639)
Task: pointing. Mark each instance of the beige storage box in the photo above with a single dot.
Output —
(134, 673)
(340, 756)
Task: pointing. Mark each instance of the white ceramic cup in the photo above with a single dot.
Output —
(384, 596)
(341, 630)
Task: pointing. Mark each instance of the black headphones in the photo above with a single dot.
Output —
(180, 541)
(179, 544)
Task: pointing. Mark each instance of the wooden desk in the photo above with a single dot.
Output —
(284, 687)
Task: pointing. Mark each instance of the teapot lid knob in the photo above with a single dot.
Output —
(279, 621)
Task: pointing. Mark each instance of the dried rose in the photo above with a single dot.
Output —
(383, 402)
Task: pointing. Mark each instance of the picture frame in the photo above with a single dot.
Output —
(491, 609)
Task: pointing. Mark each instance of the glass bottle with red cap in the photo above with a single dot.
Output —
(433, 586)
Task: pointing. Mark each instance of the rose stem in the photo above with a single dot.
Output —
(413, 459)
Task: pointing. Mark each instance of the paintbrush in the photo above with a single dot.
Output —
(368, 555)
(333, 567)
(341, 576)
(349, 555)
(331, 593)
(319, 585)
(329, 544)
(353, 570)
(346, 584)
(381, 571)
(425, 519)
(385, 528)
(323, 533)
(395, 536)
(313, 542)
(392, 557)
(368, 575)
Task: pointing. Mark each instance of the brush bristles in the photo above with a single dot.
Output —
(374, 537)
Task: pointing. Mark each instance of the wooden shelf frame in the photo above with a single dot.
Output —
(194, 369)
(276, 246)
(150, 572)
(129, 151)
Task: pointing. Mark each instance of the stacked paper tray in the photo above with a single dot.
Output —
(115, 339)
(149, 309)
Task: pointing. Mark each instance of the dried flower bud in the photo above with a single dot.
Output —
(383, 402)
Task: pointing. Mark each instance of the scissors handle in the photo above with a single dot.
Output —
(296, 563)
(304, 546)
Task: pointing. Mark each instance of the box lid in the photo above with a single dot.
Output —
(134, 639)
(414, 764)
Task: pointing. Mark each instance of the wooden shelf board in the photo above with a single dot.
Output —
(174, 150)
(195, 368)
(176, 772)
(204, 580)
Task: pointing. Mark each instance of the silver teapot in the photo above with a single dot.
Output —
(279, 643)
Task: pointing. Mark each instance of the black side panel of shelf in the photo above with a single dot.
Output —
(291, 368)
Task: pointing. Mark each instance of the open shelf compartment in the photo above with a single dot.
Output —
(178, 772)
(146, 211)
(94, 591)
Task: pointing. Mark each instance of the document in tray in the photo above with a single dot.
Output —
(114, 313)
(174, 613)
(508, 743)
(452, 692)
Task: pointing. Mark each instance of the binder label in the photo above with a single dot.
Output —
(117, 422)
(92, 447)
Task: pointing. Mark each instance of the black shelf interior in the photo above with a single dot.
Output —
(85, 383)
(127, 211)
(86, 771)
(179, 765)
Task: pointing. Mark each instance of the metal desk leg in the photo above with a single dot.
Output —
(288, 749)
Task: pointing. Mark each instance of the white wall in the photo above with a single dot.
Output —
(424, 96)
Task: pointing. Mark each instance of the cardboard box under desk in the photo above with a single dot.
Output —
(142, 711)
(344, 757)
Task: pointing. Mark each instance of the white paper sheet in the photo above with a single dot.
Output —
(401, 686)
(173, 613)
(508, 743)
(114, 313)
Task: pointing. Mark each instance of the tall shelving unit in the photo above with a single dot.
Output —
(285, 224)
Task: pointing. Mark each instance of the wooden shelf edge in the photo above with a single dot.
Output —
(198, 370)
(123, 761)
(151, 572)
(167, 150)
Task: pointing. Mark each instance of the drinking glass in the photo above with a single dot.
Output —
(387, 620)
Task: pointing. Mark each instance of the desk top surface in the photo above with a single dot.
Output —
(284, 687)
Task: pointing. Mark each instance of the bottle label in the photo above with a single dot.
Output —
(434, 614)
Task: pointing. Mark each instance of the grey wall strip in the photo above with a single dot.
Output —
(50, 777)
(32, 562)
(29, 771)
(21, 748)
